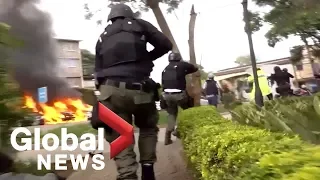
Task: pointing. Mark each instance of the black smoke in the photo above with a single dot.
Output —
(35, 64)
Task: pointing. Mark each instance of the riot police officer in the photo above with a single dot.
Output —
(174, 89)
(281, 78)
(288, 75)
(123, 66)
(211, 90)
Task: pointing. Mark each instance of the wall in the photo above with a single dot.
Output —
(70, 62)
(306, 72)
(88, 84)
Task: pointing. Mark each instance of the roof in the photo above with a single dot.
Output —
(67, 39)
(218, 78)
(240, 69)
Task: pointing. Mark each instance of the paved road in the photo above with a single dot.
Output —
(170, 166)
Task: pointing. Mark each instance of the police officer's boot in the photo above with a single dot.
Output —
(167, 138)
(176, 133)
(147, 172)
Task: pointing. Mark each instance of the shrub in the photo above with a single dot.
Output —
(295, 114)
(10, 115)
(220, 149)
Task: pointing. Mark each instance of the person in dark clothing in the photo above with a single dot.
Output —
(211, 90)
(122, 68)
(281, 78)
(289, 75)
(174, 89)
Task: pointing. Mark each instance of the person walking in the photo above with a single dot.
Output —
(122, 70)
(211, 90)
(174, 90)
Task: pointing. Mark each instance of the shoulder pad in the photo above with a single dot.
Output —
(103, 34)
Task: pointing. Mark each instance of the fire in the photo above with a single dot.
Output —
(65, 110)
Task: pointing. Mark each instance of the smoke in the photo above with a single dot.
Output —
(35, 64)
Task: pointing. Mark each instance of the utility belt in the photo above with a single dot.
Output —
(148, 86)
(126, 85)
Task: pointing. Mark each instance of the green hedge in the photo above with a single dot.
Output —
(219, 149)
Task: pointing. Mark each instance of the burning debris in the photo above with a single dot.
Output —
(65, 110)
(36, 64)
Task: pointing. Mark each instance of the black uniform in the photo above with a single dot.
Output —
(282, 79)
(174, 75)
(212, 91)
(211, 87)
(174, 86)
(288, 76)
(123, 66)
(122, 49)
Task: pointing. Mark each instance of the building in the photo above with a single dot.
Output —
(231, 76)
(69, 55)
(88, 82)
(303, 71)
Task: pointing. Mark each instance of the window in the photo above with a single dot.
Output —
(299, 67)
(74, 82)
(70, 46)
(70, 63)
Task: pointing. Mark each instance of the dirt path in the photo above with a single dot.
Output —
(170, 166)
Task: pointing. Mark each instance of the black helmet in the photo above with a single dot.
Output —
(120, 10)
(174, 56)
(277, 69)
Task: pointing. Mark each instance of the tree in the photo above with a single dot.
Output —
(294, 18)
(88, 60)
(243, 60)
(144, 5)
(10, 96)
(196, 77)
(247, 18)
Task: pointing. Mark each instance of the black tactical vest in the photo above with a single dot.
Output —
(173, 77)
(122, 42)
(211, 88)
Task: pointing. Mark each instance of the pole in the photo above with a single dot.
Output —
(258, 95)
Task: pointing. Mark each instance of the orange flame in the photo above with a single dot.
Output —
(57, 113)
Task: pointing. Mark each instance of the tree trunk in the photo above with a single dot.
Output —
(154, 5)
(196, 77)
(311, 60)
(295, 72)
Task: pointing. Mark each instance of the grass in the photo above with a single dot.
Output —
(29, 168)
(80, 129)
